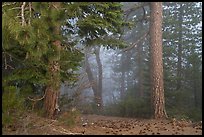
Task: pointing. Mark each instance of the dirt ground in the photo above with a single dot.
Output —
(104, 125)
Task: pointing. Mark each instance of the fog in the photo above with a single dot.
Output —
(126, 72)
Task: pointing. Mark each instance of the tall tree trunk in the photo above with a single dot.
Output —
(157, 88)
(53, 88)
(128, 79)
(100, 76)
(89, 73)
(91, 79)
(122, 90)
(179, 67)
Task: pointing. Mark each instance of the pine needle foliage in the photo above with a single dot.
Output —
(28, 33)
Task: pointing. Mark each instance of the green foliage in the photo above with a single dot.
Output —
(178, 106)
(30, 51)
(31, 45)
(130, 106)
(181, 102)
(98, 23)
(12, 106)
(195, 114)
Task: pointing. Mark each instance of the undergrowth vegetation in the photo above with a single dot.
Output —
(12, 106)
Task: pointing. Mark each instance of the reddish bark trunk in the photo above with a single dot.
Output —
(53, 87)
(157, 86)
(51, 102)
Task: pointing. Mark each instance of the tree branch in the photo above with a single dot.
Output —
(5, 61)
(8, 4)
(136, 7)
(37, 99)
(30, 10)
(15, 8)
(135, 44)
(22, 14)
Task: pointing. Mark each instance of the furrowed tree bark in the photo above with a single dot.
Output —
(53, 88)
(157, 88)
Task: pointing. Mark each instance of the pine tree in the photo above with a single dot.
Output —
(35, 42)
(37, 57)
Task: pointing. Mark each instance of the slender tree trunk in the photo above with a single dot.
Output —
(92, 80)
(179, 67)
(157, 88)
(128, 79)
(122, 90)
(90, 74)
(100, 76)
(53, 88)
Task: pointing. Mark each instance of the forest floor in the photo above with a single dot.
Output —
(100, 125)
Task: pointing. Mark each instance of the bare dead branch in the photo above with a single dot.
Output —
(55, 5)
(84, 86)
(10, 58)
(37, 99)
(5, 63)
(30, 11)
(22, 13)
(15, 8)
(8, 4)
(91, 97)
(10, 66)
(64, 131)
(138, 6)
(135, 44)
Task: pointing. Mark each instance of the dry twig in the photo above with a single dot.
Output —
(22, 13)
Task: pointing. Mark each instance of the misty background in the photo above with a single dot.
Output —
(125, 72)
